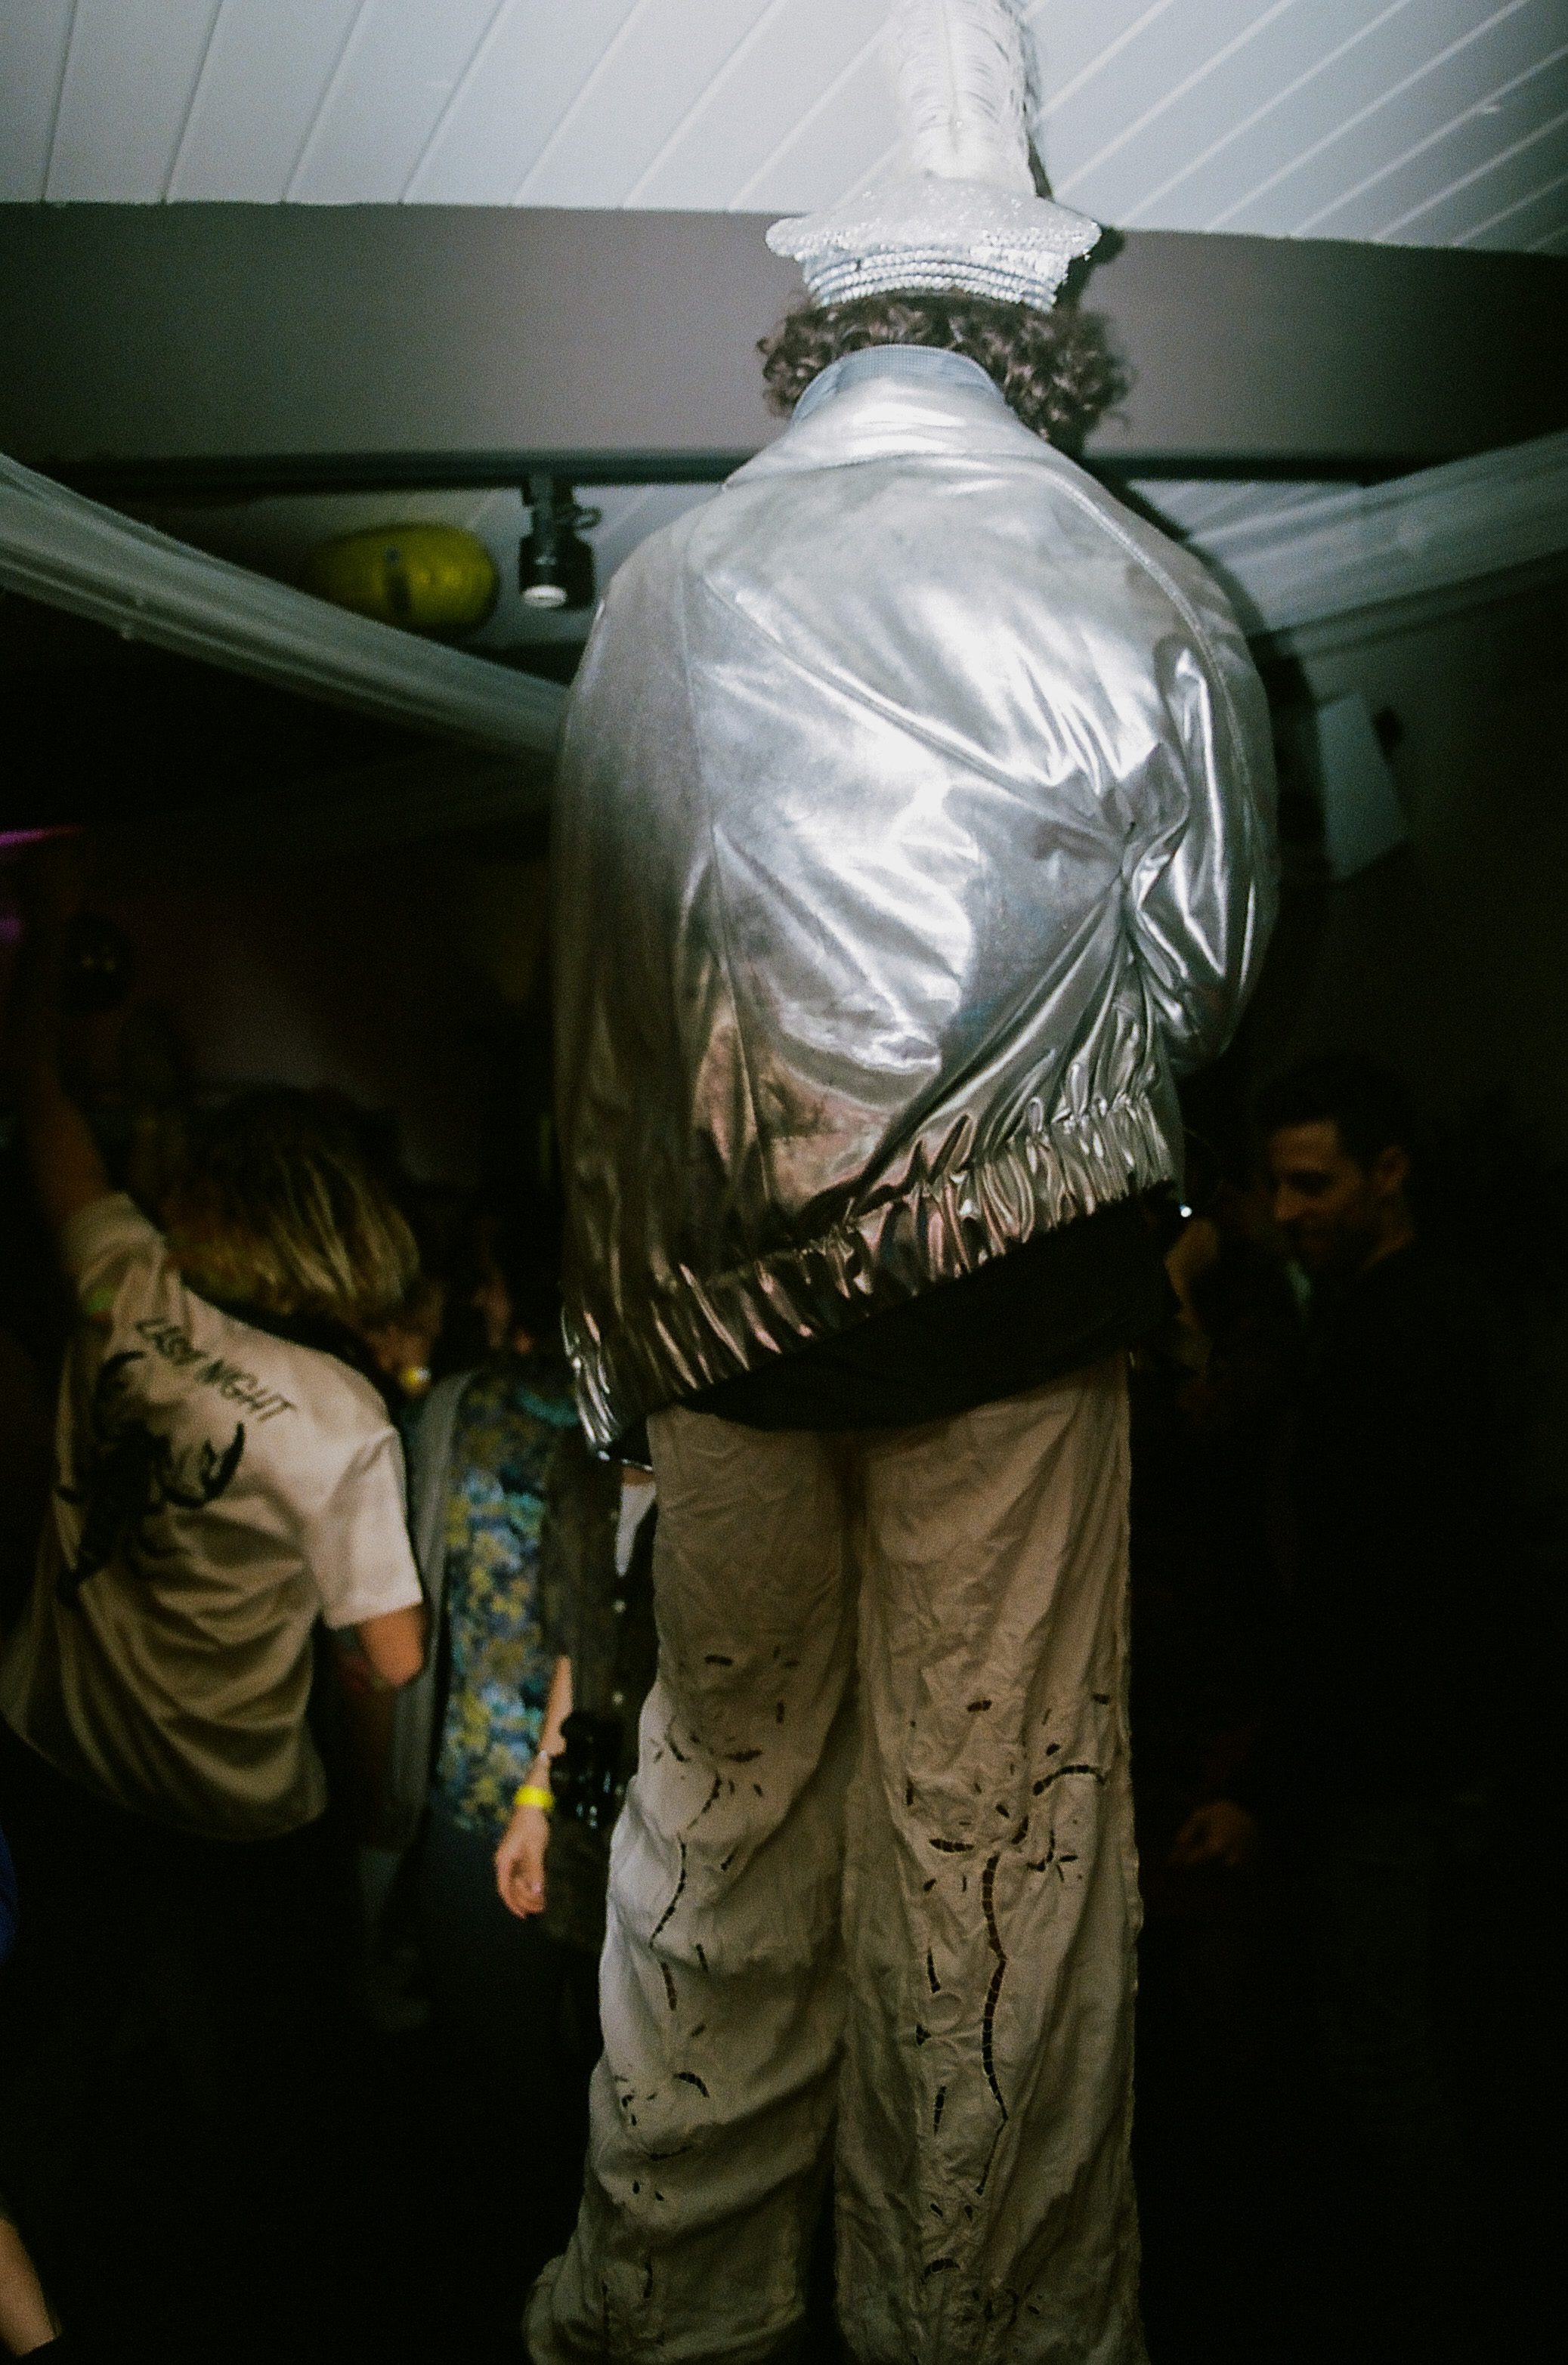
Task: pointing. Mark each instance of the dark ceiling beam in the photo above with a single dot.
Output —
(160, 346)
(248, 475)
(236, 475)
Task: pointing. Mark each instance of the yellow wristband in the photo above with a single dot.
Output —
(530, 1795)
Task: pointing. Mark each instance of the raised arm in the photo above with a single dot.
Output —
(67, 1170)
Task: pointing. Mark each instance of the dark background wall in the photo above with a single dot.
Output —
(406, 976)
(1446, 955)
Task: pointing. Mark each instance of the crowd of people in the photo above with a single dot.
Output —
(323, 1699)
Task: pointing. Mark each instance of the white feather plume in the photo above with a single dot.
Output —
(959, 71)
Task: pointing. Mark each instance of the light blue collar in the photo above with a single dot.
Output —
(928, 363)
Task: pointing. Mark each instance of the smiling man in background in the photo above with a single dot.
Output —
(1402, 1544)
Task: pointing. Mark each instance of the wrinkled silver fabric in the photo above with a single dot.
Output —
(914, 829)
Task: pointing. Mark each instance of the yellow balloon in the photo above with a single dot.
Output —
(428, 578)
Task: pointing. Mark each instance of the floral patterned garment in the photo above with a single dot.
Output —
(511, 1418)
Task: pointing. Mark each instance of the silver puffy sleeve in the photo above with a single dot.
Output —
(1201, 872)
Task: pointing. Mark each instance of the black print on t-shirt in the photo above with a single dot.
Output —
(128, 1475)
(239, 1387)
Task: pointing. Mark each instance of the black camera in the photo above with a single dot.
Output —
(585, 1776)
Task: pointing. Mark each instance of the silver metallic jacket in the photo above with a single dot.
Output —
(913, 831)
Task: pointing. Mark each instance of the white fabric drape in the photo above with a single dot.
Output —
(1297, 562)
(71, 553)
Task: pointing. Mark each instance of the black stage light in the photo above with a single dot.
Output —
(555, 568)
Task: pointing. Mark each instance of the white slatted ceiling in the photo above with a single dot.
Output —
(233, 148)
(1421, 121)
(124, 96)
(393, 82)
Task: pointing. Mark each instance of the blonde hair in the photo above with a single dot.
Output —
(276, 1206)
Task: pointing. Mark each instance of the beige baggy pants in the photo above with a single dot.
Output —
(876, 1872)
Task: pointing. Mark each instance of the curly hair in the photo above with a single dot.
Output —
(1055, 369)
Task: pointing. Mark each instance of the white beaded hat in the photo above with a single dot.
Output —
(962, 211)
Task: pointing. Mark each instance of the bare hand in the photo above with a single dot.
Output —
(1221, 1833)
(1195, 1252)
(519, 1862)
(355, 1674)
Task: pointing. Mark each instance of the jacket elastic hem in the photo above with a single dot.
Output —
(706, 1330)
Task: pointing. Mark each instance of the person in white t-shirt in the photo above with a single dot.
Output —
(221, 1484)
(227, 1478)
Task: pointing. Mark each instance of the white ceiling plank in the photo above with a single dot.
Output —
(1554, 242)
(267, 70)
(668, 55)
(1511, 225)
(1423, 121)
(1365, 61)
(1356, 84)
(1075, 46)
(479, 66)
(604, 67)
(1474, 167)
(1171, 58)
(1340, 24)
(33, 43)
(1431, 224)
(1459, 132)
(536, 61)
(854, 122)
(794, 53)
(1379, 119)
(711, 104)
(405, 62)
(133, 65)
(321, 114)
(192, 102)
